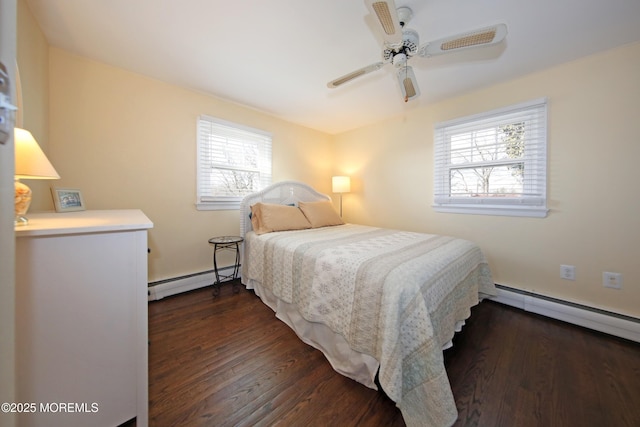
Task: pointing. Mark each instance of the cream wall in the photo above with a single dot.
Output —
(593, 147)
(128, 141)
(33, 60)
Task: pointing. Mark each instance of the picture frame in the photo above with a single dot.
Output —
(67, 199)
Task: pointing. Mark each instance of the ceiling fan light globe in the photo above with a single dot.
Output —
(399, 59)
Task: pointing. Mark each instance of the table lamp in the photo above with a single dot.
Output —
(31, 163)
(341, 184)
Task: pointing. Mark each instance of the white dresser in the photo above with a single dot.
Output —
(81, 318)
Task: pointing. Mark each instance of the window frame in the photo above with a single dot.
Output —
(532, 201)
(264, 140)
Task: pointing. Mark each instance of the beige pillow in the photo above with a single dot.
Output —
(268, 217)
(320, 214)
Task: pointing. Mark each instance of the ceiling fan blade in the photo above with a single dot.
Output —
(385, 12)
(354, 74)
(482, 37)
(408, 83)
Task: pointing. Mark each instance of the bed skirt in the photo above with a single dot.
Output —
(352, 364)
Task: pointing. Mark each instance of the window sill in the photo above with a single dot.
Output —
(522, 211)
(218, 206)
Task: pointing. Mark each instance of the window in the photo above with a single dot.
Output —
(493, 163)
(233, 161)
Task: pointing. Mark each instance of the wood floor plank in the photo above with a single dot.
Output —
(227, 361)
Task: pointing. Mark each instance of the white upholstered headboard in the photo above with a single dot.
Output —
(281, 193)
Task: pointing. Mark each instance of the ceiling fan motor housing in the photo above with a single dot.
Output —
(399, 55)
(410, 41)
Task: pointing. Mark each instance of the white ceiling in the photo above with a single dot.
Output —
(277, 56)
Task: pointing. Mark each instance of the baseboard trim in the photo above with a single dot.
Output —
(600, 320)
(167, 287)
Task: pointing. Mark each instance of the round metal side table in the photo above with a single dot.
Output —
(228, 243)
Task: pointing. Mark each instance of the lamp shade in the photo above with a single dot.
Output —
(31, 162)
(341, 184)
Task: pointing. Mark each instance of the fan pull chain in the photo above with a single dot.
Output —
(406, 94)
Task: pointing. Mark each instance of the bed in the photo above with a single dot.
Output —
(377, 302)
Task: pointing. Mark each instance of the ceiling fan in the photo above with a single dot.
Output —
(401, 44)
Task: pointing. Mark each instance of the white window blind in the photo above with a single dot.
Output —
(493, 163)
(233, 161)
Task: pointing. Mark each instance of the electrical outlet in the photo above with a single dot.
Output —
(612, 280)
(568, 272)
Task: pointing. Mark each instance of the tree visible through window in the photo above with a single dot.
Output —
(499, 152)
(493, 161)
(233, 161)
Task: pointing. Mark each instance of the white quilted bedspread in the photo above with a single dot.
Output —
(394, 295)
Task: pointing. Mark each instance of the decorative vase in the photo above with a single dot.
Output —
(22, 202)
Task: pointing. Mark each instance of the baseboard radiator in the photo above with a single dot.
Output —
(600, 320)
(165, 288)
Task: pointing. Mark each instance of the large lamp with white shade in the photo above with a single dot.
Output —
(30, 163)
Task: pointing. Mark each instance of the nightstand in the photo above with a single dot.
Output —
(228, 243)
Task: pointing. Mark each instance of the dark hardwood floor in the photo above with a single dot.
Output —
(229, 362)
